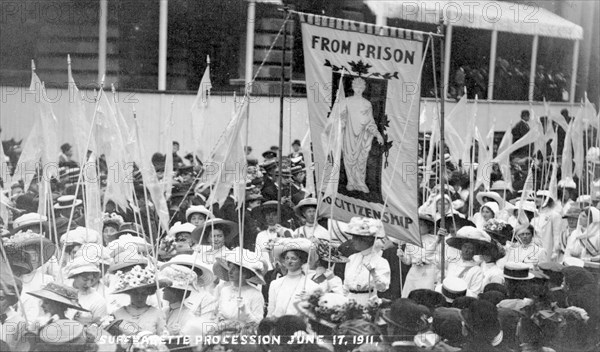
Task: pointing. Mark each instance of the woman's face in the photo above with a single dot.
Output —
(52, 307)
(526, 236)
(108, 234)
(138, 297)
(358, 86)
(216, 238)
(467, 251)
(197, 219)
(84, 281)
(234, 275)
(292, 261)
(309, 214)
(584, 219)
(486, 213)
(438, 206)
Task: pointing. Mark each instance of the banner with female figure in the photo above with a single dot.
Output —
(376, 111)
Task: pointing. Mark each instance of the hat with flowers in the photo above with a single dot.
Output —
(137, 278)
(367, 227)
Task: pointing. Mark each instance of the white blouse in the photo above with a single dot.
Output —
(358, 278)
(253, 301)
(286, 291)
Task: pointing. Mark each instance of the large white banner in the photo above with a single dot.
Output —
(379, 114)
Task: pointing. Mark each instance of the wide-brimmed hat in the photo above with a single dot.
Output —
(67, 202)
(269, 154)
(61, 294)
(450, 220)
(499, 230)
(128, 244)
(182, 277)
(526, 205)
(500, 185)
(284, 245)
(428, 298)
(130, 228)
(139, 278)
(122, 260)
(452, 288)
(80, 235)
(80, 265)
(30, 221)
(573, 212)
(229, 228)
(39, 248)
(257, 267)
(567, 183)
(329, 253)
(304, 203)
(198, 209)
(179, 228)
(407, 315)
(492, 195)
(480, 240)
(203, 272)
(365, 227)
(517, 271)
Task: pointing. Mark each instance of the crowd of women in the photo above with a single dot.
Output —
(520, 274)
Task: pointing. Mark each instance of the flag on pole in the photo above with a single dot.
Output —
(577, 140)
(459, 119)
(77, 117)
(226, 167)
(530, 137)
(200, 115)
(504, 163)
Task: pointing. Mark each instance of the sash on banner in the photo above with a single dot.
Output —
(380, 77)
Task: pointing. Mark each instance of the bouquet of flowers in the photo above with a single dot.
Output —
(332, 309)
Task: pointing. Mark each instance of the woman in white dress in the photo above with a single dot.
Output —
(85, 274)
(359, 129)
(284, 292)
(240, 301)
(548, 224)
(584, 241)
(424, 264)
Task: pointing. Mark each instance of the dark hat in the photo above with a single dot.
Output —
(27, 202)
(407, 315)
(428, 298)
(481, 317)
(576, 277)
(230, 230)
(455, 219)
(67, 202)
(271, 206)
(130, 228)
(499, 230)
(517, 271)
(493, 297)
(296, 169)
(252, 197)
(269, 154)
(447, 322)
(481, 241)
(296, 142)
(494, 286)
(269, 165)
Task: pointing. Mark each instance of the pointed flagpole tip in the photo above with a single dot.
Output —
(69, 59)
(32, 65)
(102, 80)
(208, 59)
(112, 88)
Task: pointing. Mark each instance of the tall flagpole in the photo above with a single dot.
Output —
(281, 95)
(441, 30)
